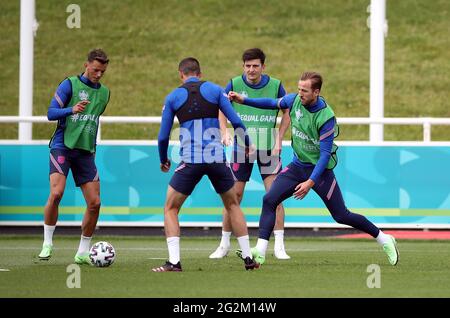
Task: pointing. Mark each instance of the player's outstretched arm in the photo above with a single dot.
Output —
(264, 103)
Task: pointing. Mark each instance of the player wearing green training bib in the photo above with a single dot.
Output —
(261, 127)
(314, 128)
(81, 128)
(78, 103)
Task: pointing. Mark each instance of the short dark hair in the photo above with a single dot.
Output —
(189, 65)
(253, 54)
(98, 55)
(316, 79)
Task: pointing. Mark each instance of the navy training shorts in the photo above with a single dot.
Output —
(187, 175)
(81, 162)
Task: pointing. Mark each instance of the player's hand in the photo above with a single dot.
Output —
(79, 107)
(165, 167)
(235, 97)
(226, 138)
(276, 150)
(302, 189)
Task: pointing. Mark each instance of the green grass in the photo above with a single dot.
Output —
(320, 267)
(146, 40)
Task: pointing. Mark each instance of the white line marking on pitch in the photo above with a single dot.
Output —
(4, 270)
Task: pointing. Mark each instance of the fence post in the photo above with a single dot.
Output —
(378, 29)
(99, 131)
(28, 27)
(427, 131)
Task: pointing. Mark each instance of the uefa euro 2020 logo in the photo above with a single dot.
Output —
(83, 95)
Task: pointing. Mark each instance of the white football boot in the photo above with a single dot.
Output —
(220, 252)
(280, 253)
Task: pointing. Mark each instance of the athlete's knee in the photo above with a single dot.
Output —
(171, 205)
(230, 199)
(56, 196)
(342, 217)
(171, 212)
(232, 204)
(239, 196)
(269, 202)
(94, 205)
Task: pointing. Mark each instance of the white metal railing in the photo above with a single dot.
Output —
(426, 122)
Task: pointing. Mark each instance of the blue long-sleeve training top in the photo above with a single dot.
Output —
(199, 138)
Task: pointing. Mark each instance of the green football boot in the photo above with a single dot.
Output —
(390, 248)
(82, 259)
(46, 252)
(260, 259)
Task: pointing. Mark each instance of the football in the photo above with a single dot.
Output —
(102, 254)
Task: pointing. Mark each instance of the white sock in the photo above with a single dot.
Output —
(225, 241)
(244, 244)
(85, 245)
(173, 244)
(48, 234)
(383, 238)
(261, 246)
(279, 238)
